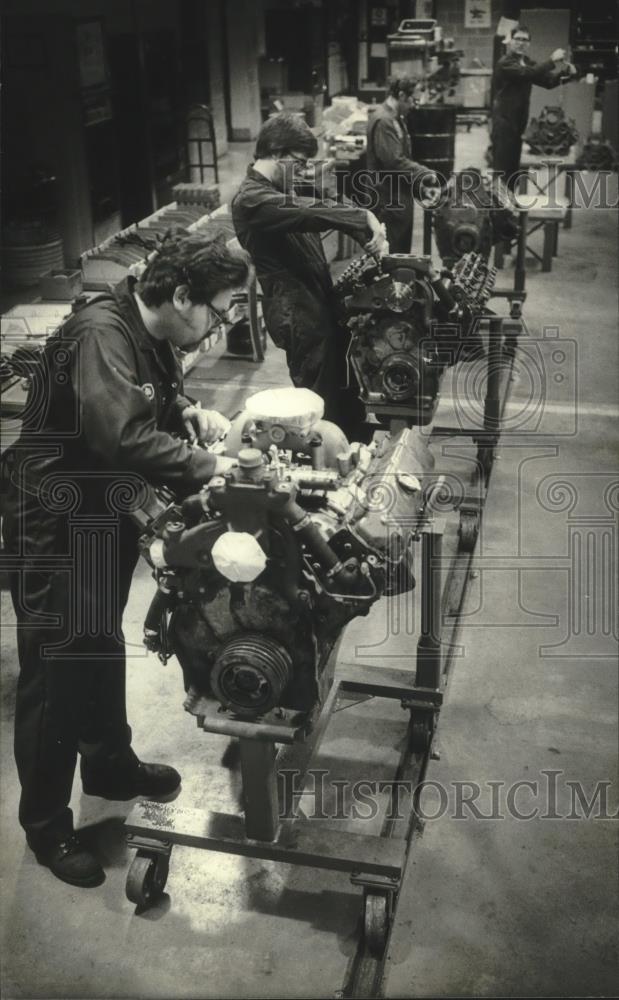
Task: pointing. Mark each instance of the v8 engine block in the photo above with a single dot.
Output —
(408, 324)
(552, 134)
(476, 211)
(259, 573)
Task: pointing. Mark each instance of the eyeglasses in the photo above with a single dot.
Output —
(221, 317)
(302, 161)
(516, 38)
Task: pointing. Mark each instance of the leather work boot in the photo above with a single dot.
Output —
(124, 776)
(69, 860)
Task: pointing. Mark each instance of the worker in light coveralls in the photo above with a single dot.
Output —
(514, 75)
(105, 419)
(281, 231)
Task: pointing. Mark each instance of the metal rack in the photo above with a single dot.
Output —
(374, 863)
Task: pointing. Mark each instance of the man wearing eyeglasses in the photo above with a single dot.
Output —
(399, 180)
(514, 76)
(104, 421)
(281, 231)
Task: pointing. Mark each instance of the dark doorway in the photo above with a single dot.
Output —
(298, 37)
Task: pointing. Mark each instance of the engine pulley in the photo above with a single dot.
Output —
(250, 674)
(400, 376)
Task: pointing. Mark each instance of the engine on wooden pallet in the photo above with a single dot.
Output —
(408, 324)
(476, 211)
(259, 573)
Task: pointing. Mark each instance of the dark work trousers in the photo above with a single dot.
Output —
(398, 222)
(395, 209)
(71, 686)
(303, 323)
(506, 150)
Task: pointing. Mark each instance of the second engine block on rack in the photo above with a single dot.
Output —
(408, 324)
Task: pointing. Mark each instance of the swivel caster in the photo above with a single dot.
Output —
(377, 910)
(147, 877)
(468, 530)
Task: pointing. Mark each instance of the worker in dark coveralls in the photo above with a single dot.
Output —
(398, 179)
(103, 421)
(281, 231)
(514, 75)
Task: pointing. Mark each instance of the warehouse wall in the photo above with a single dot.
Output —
(476, 42)
(42, 93)
(245, 31)
(215, 19)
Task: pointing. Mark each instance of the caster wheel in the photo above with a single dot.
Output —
(376, 919)
(420, 733)
(468, 531)
(146, 878)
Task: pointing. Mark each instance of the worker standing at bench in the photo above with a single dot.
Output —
(281, 231)
(514, 76)
(398, 178)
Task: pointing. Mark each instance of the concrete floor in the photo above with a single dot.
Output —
(509, 906)
(489, 907)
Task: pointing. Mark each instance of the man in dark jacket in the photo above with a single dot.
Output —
(397, 177)
(102, 423)
(514, 76)
(281, 232)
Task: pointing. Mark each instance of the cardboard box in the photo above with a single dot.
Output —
(60, 285)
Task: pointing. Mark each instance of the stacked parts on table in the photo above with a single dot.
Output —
(124, 252)
(29, 325)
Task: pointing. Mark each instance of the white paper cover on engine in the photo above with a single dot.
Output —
(297, 409)
(238, 556)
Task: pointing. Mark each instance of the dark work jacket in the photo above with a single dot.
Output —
(281, 234)
(389, 152)
(100, 417)
(513, 78)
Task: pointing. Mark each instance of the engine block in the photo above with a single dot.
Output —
(476, 211)
(552, 134)
(259, 573)
(408, 324)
